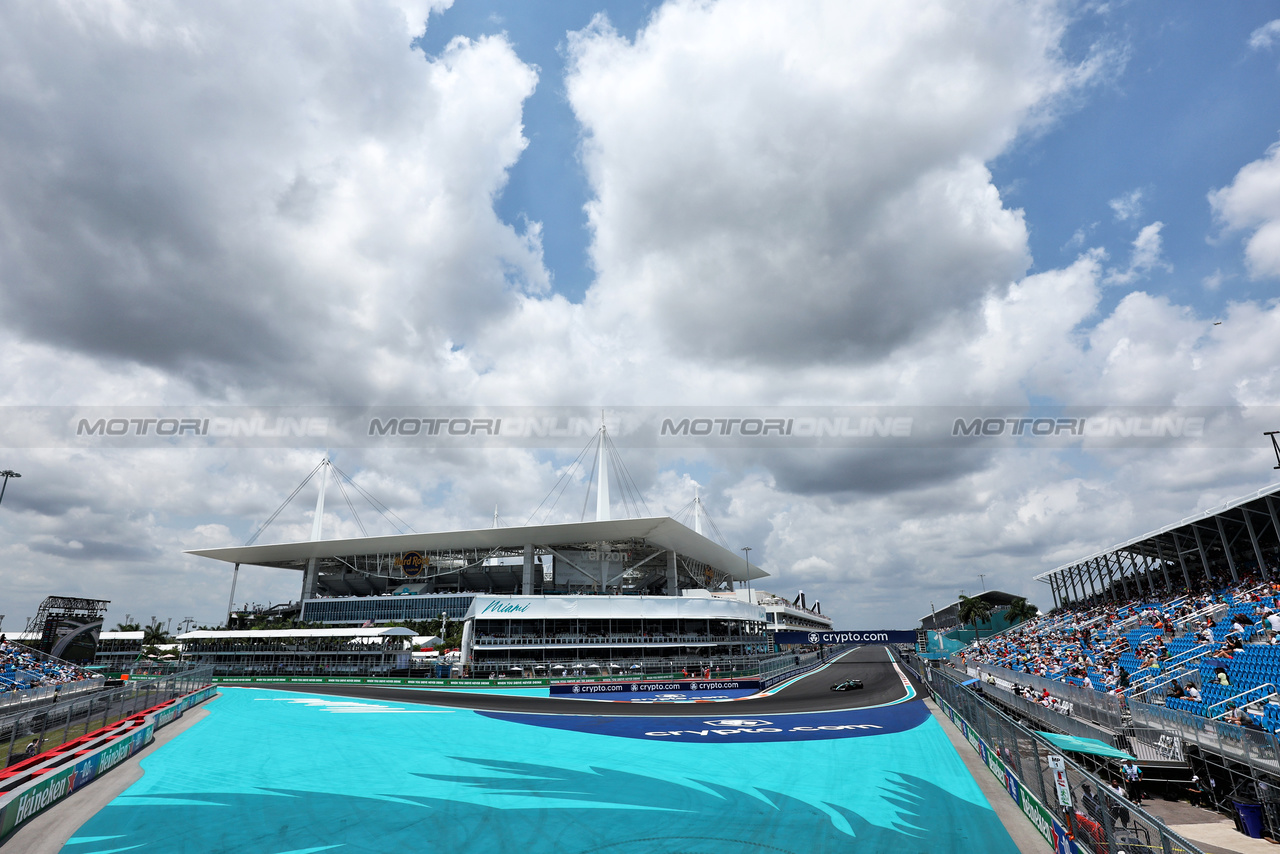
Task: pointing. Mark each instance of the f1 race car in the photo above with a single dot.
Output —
(847, 685)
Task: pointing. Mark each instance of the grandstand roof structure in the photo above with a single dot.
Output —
(471, 556)
(662, 531)
(1216, 547)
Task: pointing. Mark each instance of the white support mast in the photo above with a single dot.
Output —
(697, 512)
(310, 577)
(602, 490)
(318, 519)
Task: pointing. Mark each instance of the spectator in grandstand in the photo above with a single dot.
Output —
(1176, 691)
(1192, 692)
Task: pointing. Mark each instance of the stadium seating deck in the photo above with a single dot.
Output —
(1216, 643)
(21, 668)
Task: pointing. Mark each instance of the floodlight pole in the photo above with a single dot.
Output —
(1275, 446)
(746, 555)
(8, 473)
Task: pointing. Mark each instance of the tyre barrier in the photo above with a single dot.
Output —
(33, 785)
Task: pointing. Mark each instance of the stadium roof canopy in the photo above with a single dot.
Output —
(661, 531)
(1214, 548)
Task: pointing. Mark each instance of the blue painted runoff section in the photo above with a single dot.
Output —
(278, 772)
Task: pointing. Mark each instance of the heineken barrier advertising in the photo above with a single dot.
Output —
(1045, 822)
(373, 680)
(35, 797)
(888, 636)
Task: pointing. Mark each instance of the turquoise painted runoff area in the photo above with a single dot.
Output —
(279, 772)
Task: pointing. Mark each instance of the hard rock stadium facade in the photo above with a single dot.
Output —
(645, 593)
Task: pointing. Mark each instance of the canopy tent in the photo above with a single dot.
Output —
(1092, 746)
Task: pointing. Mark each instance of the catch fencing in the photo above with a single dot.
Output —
(33, 730)
(1105, 710)
(1095, 818)
(1047, 718)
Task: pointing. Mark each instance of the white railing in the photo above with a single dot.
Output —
(1245, 693)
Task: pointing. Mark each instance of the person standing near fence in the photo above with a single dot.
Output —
(1133, 780)
(1119, 813)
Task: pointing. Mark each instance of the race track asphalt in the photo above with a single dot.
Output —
(882, 681)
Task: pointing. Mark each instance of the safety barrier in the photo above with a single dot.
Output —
(1084, 815)
(33, 785)
(13, 700)
(1106, 710)
(382, 680)
(571, 688)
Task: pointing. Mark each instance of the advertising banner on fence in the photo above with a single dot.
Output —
(37, 798)
(890, 636)
(377, 680)
(1044, 821)
(39, 795)
(681, 685)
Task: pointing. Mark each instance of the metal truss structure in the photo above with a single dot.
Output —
(1216, 548)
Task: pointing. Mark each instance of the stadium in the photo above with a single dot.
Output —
(643, 674)
(963, 320)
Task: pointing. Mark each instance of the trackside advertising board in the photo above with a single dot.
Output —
(375, 680)
(887, 636)
(45, 791)
(1044, 821)
(680, 685)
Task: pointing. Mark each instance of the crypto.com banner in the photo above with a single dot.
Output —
(780, 427)
(886, 636)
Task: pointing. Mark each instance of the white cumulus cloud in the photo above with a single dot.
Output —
(1251, 202)
(783, 184)
(1265, 36)
(1127, 206)
(1147, 255)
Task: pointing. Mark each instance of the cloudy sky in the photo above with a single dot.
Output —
(588, 204)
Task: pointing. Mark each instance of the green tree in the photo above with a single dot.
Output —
(154, 635)
(128, 627)
(974, 610)
(1020, 610)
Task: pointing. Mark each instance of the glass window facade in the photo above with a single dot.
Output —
(385, 609)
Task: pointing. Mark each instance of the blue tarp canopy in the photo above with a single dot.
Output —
(968, 682)
(1075, 744)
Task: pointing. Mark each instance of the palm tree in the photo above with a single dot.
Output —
(154, 635)
(128, 627)
(1020, 610)
(974, 610)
